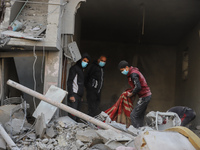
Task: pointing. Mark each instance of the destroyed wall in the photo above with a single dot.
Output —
(187, 90)
(7, 71)
(25, 67)
(157, 63)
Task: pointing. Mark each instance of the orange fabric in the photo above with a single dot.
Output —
(120, 111)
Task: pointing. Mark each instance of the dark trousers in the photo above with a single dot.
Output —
(76, 105)
(137, 114)
(93, 100)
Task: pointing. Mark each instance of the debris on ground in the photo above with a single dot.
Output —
(63, 133)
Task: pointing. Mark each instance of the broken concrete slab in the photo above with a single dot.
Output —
(155, 140)
(40, 126)
(50, 132)
(130, 144)
(5, 112)
(109, 134)
(67, 120)
(55, 94)
(87, 135)
(99, 147)
(112, 145)
(132, 130)
(15, 126)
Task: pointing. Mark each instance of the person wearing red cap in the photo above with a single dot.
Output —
(139, 87)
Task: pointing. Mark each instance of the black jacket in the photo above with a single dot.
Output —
(94, 77)
(75, 82)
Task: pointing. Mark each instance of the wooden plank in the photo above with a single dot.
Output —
(56, 94)
(193, 138)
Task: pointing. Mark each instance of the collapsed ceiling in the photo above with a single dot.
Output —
(138, 21)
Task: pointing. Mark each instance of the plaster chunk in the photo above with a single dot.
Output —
(87, 135)
(109, 134)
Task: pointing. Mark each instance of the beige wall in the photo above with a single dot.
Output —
(188, 91)
(157, 63)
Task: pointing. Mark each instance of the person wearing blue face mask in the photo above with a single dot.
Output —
(93, 83)
(75, 83)
(138, 87)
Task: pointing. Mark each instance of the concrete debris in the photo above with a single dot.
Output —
(198, 127)
(125, 148)
(112, 145)
(64, 133)
(110, 135)
(50, 132)
(2, 143)
(40, 126)
(156, 140)
(163, 120)
(15, 126)
(99, 147)
(87, 135)
(5, 112)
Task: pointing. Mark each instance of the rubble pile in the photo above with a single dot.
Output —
(60, 134)
(32, 20)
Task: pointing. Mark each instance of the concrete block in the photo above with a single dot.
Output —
(132, 130)
(109, 134)
(5, 112)
(55, 94)
(79, 144)
(14, 126)
(62, 141)
(40, 126)
(112, 145)
(67, 120)
(87, 135)
(50, 132)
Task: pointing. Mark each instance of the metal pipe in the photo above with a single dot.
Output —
(60, 105)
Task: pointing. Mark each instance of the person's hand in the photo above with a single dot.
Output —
(72, 98)
(129, 94)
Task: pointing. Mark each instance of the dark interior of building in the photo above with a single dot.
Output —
(150, 35)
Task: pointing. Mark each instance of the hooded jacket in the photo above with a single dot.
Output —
(94, 77)
(75, 82)
(138, 83)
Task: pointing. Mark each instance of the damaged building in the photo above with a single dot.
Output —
(41, 40)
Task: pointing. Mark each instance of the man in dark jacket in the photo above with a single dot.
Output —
(139, 87)
(186, 114)
(75, 83)
(94, 82)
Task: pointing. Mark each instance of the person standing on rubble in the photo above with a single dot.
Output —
(186, 114)
(75, 83)
(139, 87)
(93, 83)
